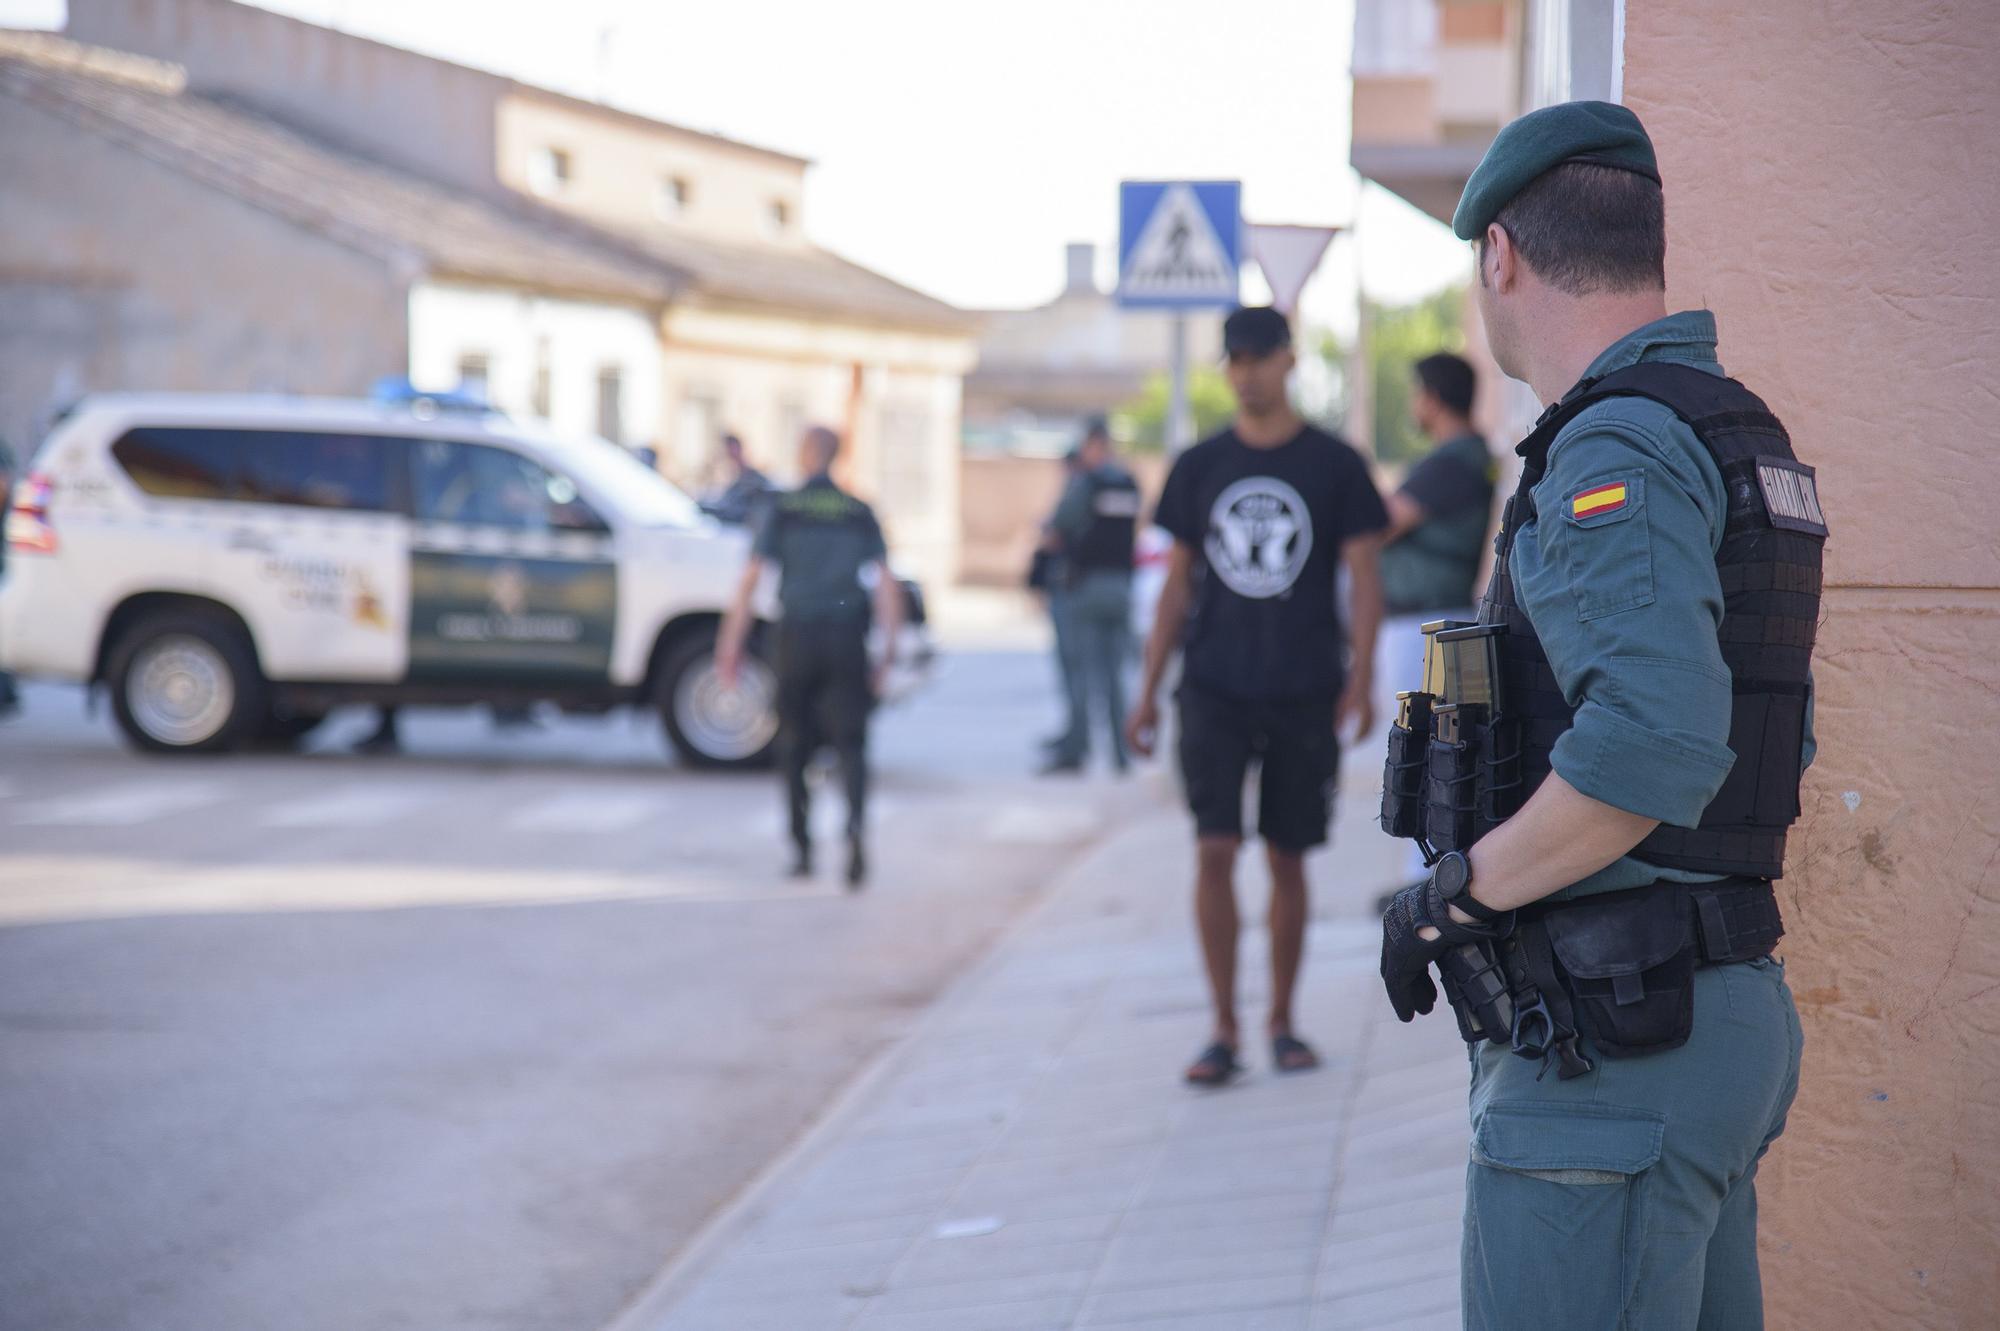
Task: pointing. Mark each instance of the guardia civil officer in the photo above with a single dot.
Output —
(1606, 943)
(1048, 577)
(822, 540)
(1094, 527)
(10, 700)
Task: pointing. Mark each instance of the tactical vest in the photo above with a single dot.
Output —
(1114, 516)
(1769, 568)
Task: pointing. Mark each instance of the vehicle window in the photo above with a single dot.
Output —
(495, 487)
(642, 494)
(179, 464)
(345, 471)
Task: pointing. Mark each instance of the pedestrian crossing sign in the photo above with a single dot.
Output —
(1180, 243)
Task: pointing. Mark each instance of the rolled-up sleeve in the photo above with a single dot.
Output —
(1623, 593)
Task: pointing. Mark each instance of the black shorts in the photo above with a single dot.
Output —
(1297, 753)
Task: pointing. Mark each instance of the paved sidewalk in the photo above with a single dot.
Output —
(1028, 1160)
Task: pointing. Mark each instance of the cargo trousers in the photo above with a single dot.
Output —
(1626, 1198)
(1096, 635)
(824, 698)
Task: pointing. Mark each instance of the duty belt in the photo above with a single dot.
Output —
(1617, 967)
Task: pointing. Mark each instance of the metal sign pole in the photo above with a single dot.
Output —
(1180, 419)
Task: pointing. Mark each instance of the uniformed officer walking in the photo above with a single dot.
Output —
(1628, 777)
(823, 542)
(1094, 527)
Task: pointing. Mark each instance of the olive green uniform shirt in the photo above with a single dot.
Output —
(1628, 606)
(1435, 565)
(821, 537)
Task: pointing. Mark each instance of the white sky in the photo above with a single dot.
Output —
(959, 147)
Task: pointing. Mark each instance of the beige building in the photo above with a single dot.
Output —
(1830, 186)
(754, 328)
(1043, 372)
(151, 237)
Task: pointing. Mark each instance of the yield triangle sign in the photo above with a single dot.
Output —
(1178, 256)
(1288, 255)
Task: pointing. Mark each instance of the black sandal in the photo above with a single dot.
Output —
(1215, 1067)
(1291, 1054)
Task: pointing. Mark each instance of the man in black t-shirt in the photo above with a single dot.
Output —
(1263, 516)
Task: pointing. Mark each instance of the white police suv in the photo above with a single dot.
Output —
(233, 567)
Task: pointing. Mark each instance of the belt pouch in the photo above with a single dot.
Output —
(1628, 960)
(1403, 773)
(1738, 921)
(1452, 775)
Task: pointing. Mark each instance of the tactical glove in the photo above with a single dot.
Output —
(1406, 958)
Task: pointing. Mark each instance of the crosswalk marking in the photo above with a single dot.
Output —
(1040, 824)
(357, 805)
(64, 887)
(122, 805)
(599, 811)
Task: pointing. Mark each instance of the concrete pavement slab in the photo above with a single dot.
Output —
(1073, 1182)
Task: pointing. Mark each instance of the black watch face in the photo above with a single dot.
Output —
(1453, 875)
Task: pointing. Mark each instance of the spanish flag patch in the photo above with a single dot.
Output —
(1597, 500)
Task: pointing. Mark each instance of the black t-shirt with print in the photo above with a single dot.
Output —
(1266, 526)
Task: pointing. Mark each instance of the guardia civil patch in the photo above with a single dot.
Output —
(1791, 496)
(1598, 500)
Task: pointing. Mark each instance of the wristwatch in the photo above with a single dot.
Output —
(1451, 879)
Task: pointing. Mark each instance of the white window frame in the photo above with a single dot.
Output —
(672, 197)
(551, 168)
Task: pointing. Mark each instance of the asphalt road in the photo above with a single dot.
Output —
(474, 1037)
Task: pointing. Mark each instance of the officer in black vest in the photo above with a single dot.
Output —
(824, 542)
(1604, 767)
(1094, 526)
(10, 700)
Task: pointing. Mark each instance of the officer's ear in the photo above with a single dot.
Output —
(1499, 261)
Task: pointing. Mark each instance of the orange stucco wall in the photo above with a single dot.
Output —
(1832, 192)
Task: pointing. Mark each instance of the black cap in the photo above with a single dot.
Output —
(1255, 330)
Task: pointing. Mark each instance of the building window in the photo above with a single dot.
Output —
(791, 423)
(539, 401)
(698, 431)
(777, 217)
(611, 404)
(673, 197)
(1395, 38)
(549, 170)
(475, 374)
(906, 465)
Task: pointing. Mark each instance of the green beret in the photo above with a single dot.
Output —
(1602, 133)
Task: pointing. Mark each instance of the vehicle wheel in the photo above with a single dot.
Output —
(712, 726)
(185, 681)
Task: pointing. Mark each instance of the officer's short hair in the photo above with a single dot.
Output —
(1449, 379)
(1586, 228)
(824, 441)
